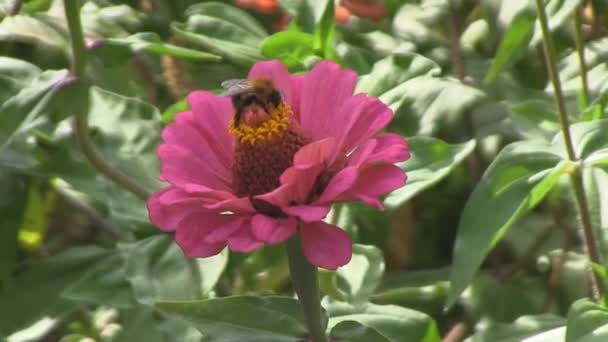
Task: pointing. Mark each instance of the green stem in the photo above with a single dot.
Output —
(306, 284)
(580, 48)
(575, 177)
(79, 60)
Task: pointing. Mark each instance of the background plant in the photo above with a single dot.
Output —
(505, 112)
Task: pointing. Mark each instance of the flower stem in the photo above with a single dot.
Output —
(306, 284)
(575, 178)
(580, 48)
(79, 60)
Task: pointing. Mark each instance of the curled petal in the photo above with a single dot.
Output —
(319, 152)
(338, 184)
(192, 233)
(374, 182)
(360, 118)
(244, 241)
(326, 245)
(271, 230)
(308, 213)
(387, 148)
(169, 206)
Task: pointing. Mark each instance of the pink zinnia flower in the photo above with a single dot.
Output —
(280, 169)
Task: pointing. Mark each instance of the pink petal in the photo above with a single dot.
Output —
(318, 152)
(279, 197)
(387, 148)
(220, 200)
(338, 184)
(212, 113)
(244, 241)
(307, 213)
(359, 118)
(271, 230)
(326, 245)
(324, 91)
(190, 155)
(192, 233)
(373, 182)
(169, 206)
(224, 227)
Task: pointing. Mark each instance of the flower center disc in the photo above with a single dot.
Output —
(264, 149)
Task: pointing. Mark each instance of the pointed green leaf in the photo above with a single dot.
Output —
(518, 179)
(242, 318)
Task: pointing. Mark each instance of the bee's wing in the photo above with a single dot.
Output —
(235, 86)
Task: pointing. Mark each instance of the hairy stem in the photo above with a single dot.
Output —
(580, 48)
(575, 177)
(306, 284)
(79, 60)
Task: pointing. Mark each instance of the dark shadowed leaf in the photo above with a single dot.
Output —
(43, 284)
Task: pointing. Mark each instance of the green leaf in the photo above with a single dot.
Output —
(513, 44)
(536, 118)
(358, 279)
(421, 104)
(391, 321)
(43, 284)
(38, 28)
(587, 322)
(25, 109)
(432, 160)
(237, 53)
(524, 33)
(324, 32)
(516, 181)
(352, 331)
(229, 15)
(223, 30)
(159, 271)
(169, 114)
(141, 324)
(521, 328)
(105, 284)
(305, 13)
(558, 12)
(130, 134)
(415, 22)
(590, 140)
(394, 70)
(242, 318)
(423, 290)
(117, 50)
(290, 47)
(15, 74)
(596, 52)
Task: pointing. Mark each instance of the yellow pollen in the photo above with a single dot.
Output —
(278, 122)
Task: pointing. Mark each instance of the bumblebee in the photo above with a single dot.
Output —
(249, 94)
